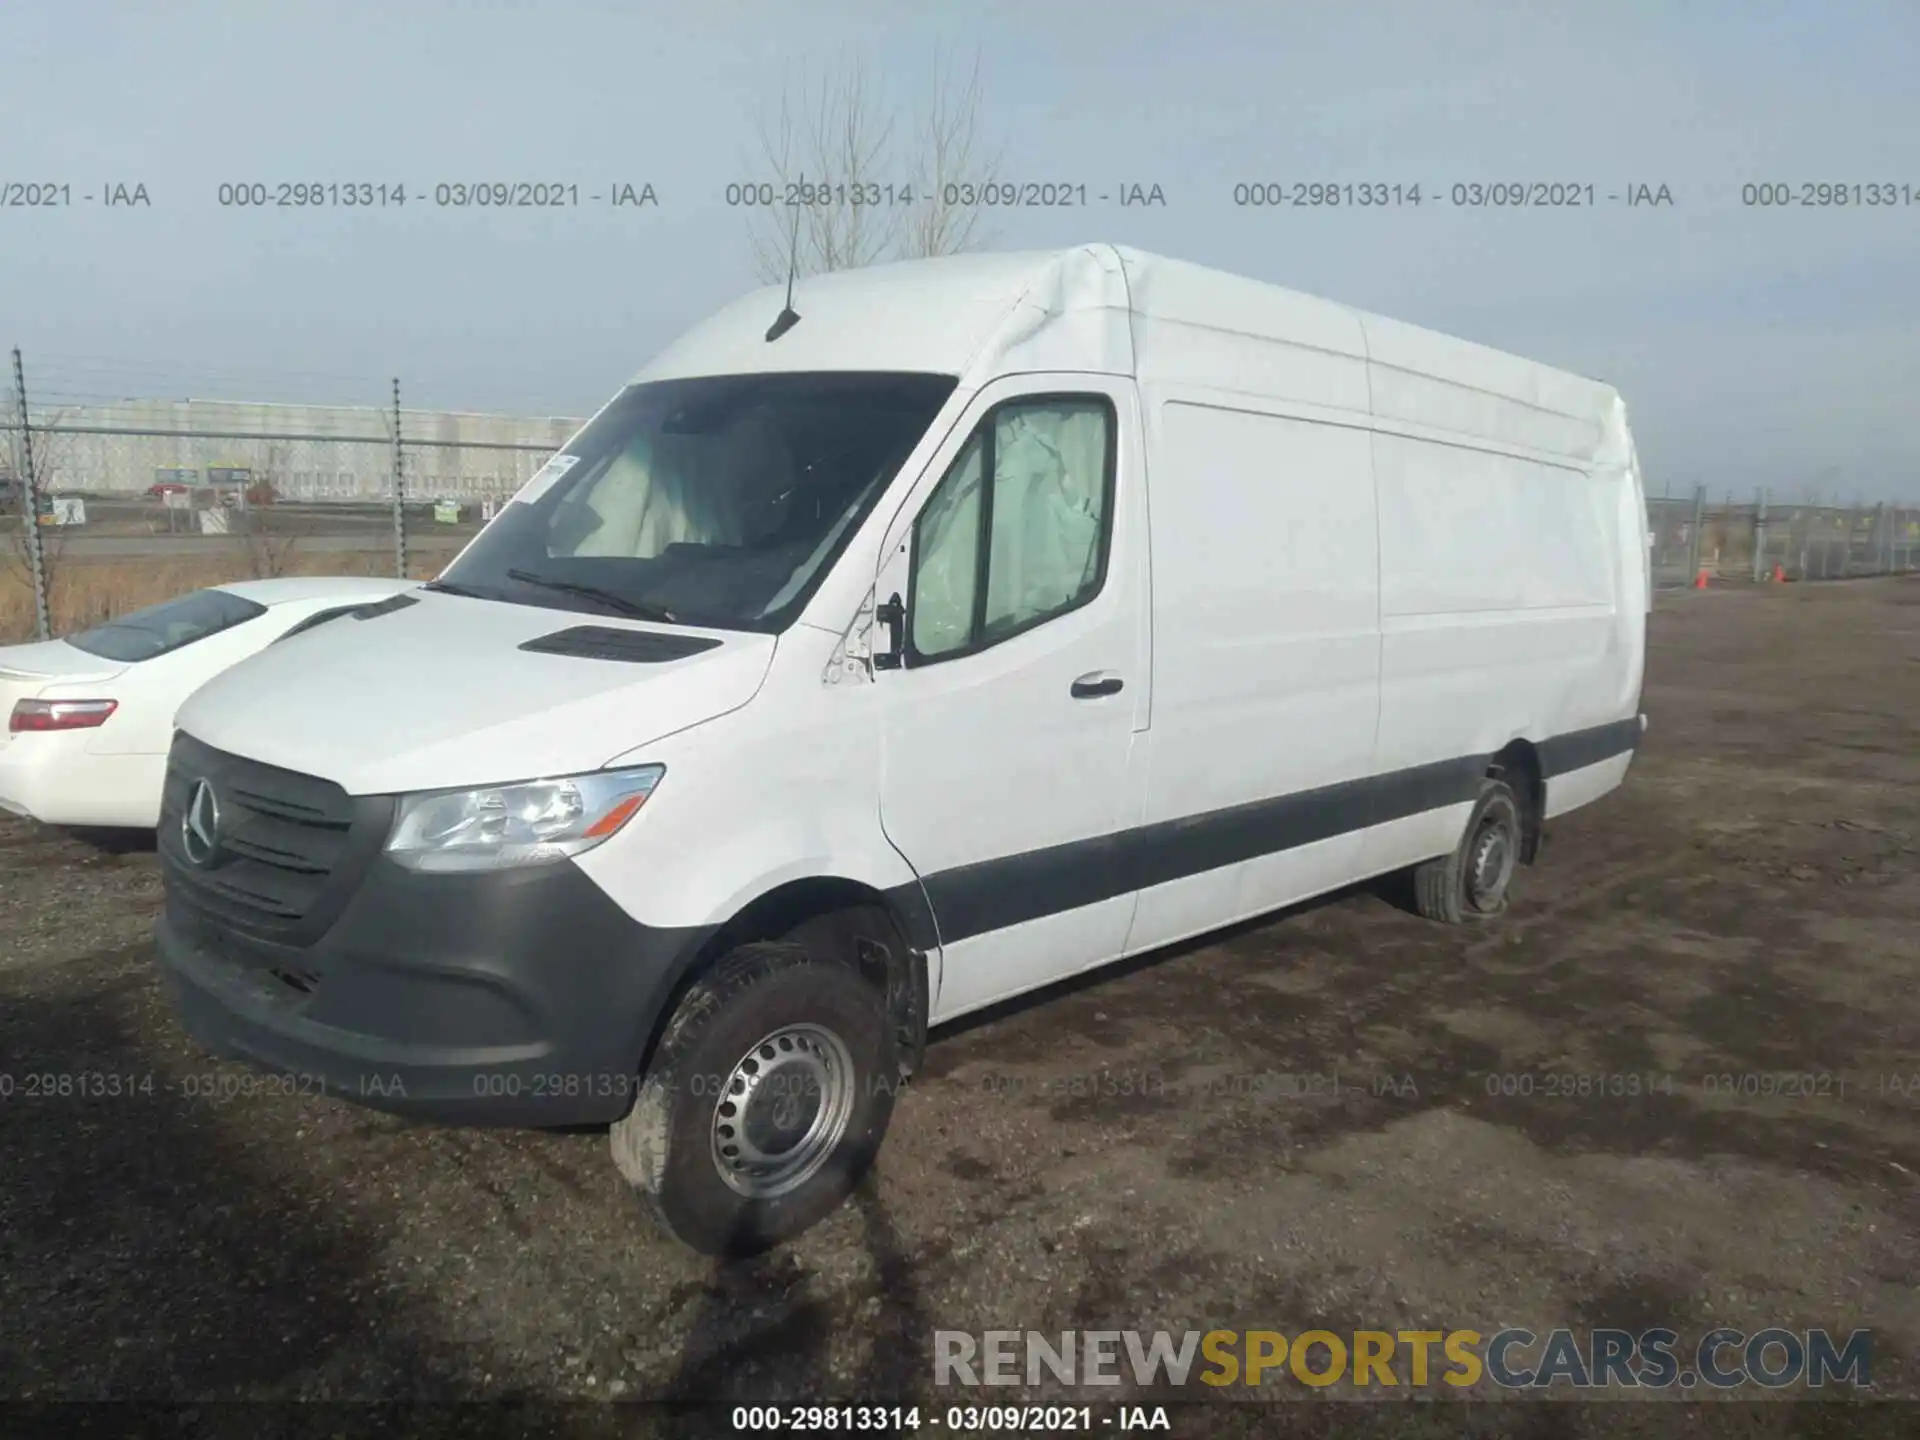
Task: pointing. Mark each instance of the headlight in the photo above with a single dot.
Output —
(529, 824)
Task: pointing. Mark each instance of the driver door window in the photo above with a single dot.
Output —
(1018, 530)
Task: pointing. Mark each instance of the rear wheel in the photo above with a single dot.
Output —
(766, 1101)
(1471, 884)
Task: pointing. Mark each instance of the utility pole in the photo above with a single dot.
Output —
(30, 509)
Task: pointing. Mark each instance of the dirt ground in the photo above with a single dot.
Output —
(1745, 909)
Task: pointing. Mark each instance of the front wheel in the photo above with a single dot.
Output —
(767, 1100)
(1471, 884)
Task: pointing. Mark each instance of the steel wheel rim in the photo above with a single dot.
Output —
(782, 1110)
(1490, 859)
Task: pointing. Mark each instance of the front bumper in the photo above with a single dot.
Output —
(518, 997)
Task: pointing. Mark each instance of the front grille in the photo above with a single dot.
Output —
(289, 846)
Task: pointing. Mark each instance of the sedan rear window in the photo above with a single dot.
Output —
(160, 629)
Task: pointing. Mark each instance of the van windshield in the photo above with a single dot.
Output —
(718, 501)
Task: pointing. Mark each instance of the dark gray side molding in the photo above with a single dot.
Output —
(972, 900)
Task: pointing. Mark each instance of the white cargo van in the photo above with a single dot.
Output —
(995, 619)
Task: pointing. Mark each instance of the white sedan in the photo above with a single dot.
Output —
(89, 717)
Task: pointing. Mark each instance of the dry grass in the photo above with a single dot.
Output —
(86, 592)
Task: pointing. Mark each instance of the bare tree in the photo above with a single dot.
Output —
(271, 539)
(848, 190)
(947, 144)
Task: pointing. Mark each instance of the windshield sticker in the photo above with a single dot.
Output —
(544, 478)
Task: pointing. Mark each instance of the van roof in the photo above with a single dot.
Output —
(1113, 310)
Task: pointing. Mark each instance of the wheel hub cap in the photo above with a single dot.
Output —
(782, 1110)
(1489, 864)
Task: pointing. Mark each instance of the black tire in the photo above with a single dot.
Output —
(1471, 885)
(668, 1147)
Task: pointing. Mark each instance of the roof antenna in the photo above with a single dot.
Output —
(786, 320)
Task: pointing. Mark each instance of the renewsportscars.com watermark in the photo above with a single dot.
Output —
(1512, 1359)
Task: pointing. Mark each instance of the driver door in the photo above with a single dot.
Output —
(1015, 707)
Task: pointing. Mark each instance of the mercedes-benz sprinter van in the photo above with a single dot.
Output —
(970, 624)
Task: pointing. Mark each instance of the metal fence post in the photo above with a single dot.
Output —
(30, 509)
(1759, 532)
(1693, 535)
(399, 490)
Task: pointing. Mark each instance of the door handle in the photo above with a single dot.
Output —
(892, 614)
(1096, 683)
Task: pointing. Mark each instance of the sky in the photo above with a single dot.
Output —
(1756, 345)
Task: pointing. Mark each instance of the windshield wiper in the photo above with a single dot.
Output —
(448, 587)
(639, 609)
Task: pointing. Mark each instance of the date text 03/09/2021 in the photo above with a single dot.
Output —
(215, 1085)
(443, 195)
(962, 1419)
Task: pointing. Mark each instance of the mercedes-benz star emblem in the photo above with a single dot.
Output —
(200, 825)
(786, 1113)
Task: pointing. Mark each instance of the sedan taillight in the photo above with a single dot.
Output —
(60, 714)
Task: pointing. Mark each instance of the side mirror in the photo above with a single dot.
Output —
(893, 615)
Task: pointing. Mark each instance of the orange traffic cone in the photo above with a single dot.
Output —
(1779, 572)
(1700, 580)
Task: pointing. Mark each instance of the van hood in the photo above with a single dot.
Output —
(438, 694)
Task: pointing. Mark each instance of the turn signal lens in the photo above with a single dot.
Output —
(59, 715)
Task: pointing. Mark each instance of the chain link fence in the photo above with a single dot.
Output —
(106, 503)
(130, 497)
(1758, 540)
